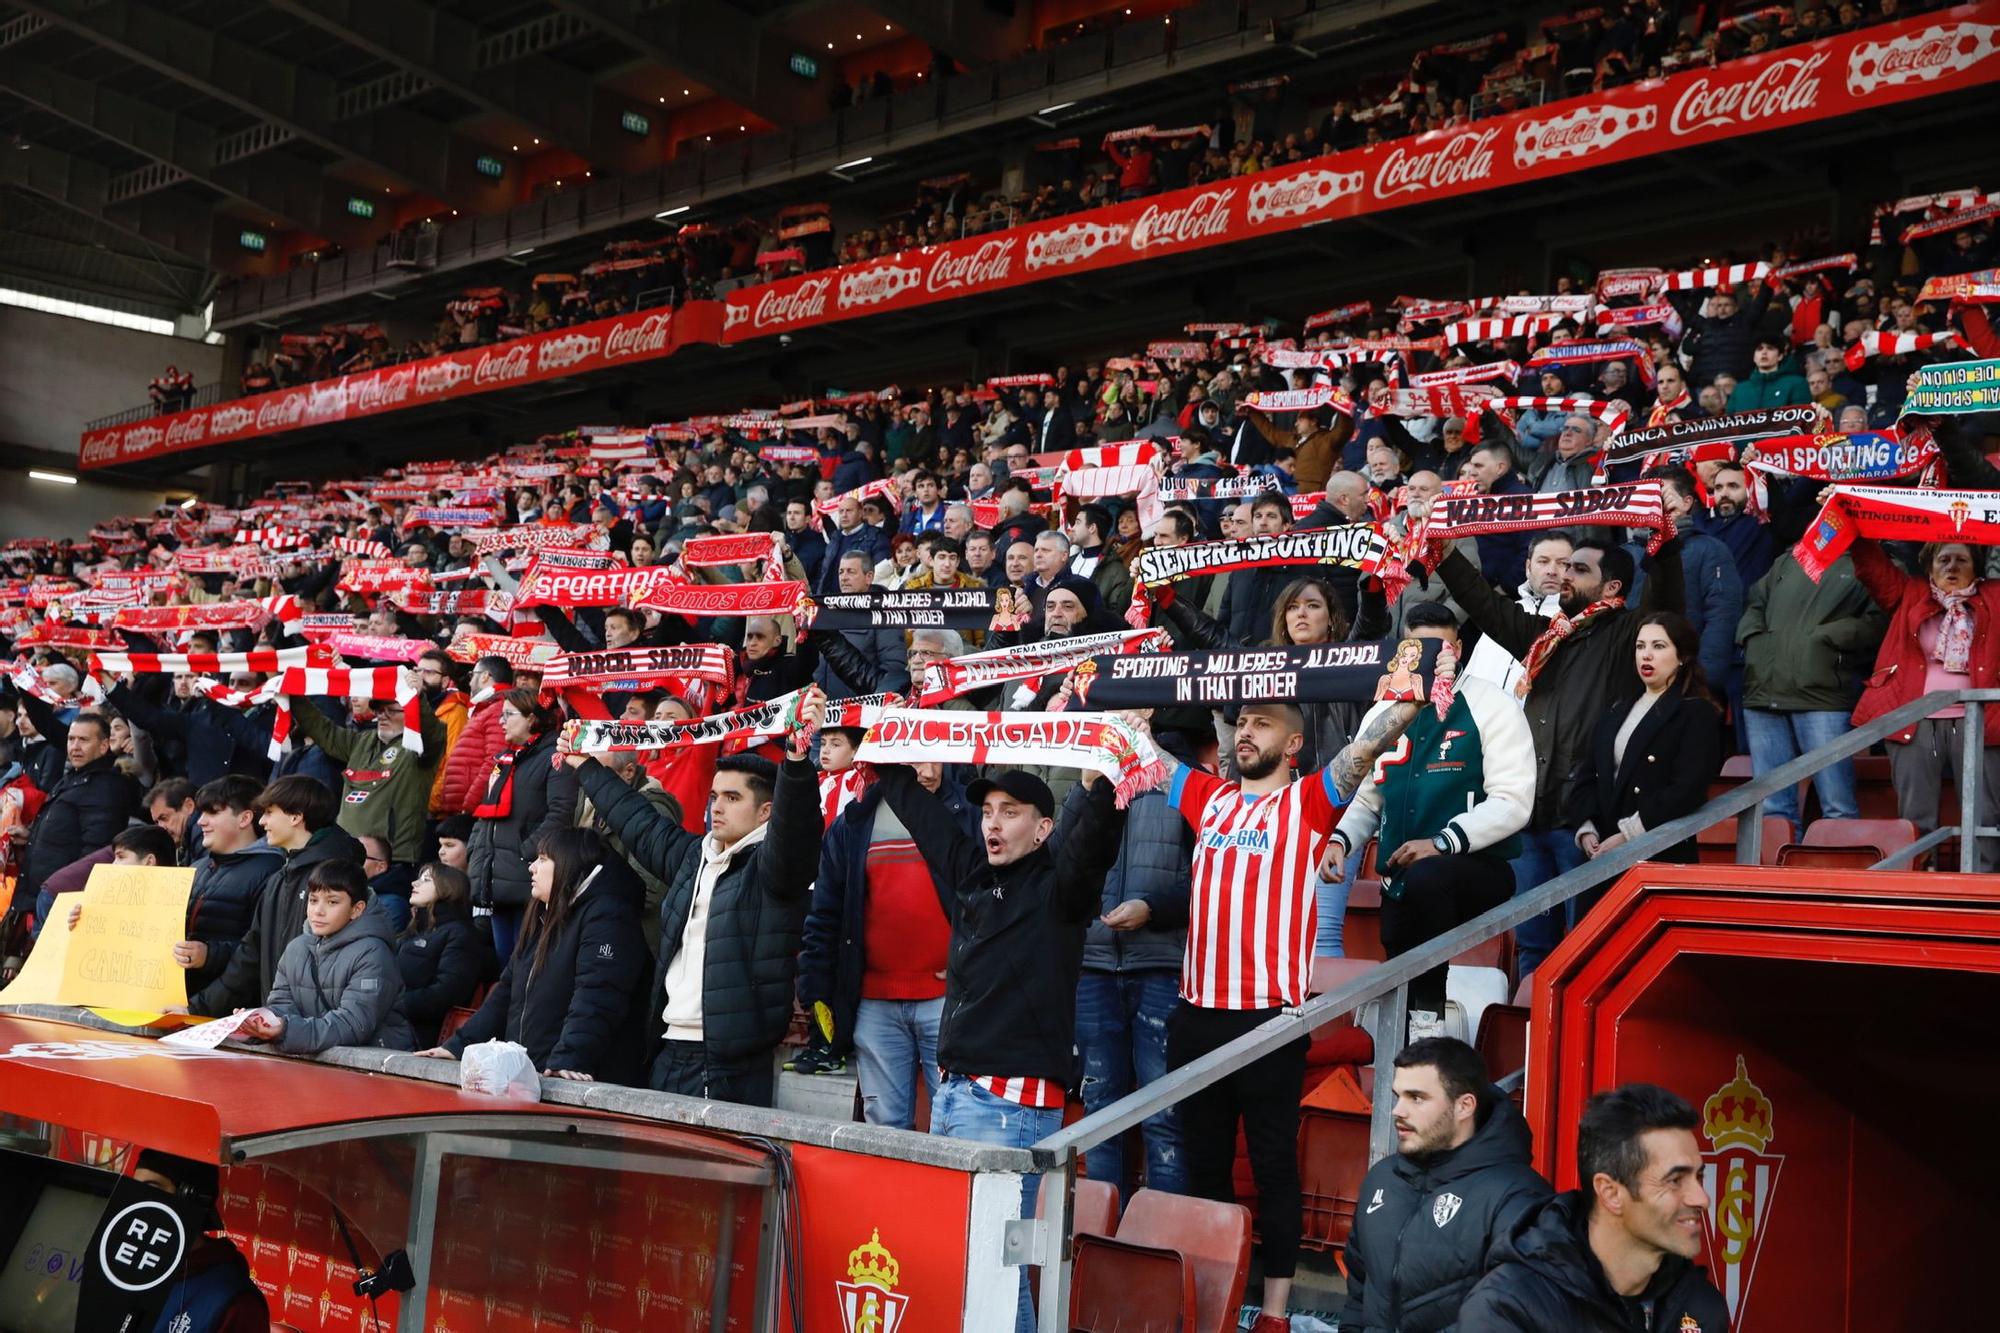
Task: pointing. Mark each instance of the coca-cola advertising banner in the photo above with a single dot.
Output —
(1934, 53)
(1937, 53)
(600, 345)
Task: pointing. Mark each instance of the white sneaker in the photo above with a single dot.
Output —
(1425, 1023)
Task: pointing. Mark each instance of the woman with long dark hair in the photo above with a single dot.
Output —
(441, 956)
(570, 994)
(1652, 756)
(526, 798)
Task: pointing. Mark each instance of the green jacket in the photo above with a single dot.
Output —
(387, 791)
(1783, 387)
(1807, 646)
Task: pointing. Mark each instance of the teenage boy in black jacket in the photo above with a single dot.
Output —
(1022, 905)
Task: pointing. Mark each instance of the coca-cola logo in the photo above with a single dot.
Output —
(385, 389)
(1072, 243)
(1920, 57)
(1579, 133)
(441, 377)
(646, 338)
(187, 430)
(1781, 88)
(991, 263)
(513, 364)
(101, 448)
(326, 402)
(873, 286)
(1203, 218)
(792, 305)
(1300, 193)
(228, 420)
(1455, 163)
(281, 411)
(570, 349)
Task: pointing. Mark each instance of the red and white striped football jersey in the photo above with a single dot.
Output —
(1250, 915)
(1037, 1092)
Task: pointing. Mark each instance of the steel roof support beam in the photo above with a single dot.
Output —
(552, 99)
(421, 154)
(179, 225)
(722, 47)
(277, 184)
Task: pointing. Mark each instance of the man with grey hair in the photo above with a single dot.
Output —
(1051, 562)
(876, 652)
(1852, 418)
(1568, 467)
(957, 521)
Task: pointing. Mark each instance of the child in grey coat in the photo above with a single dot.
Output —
(337, 983)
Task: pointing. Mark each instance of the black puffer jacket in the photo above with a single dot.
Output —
(581, 1010)
(1155, 853)
(1408, 1270)
(85, 811)
(226, 885)
(278, 917)
(441, 969)
(1547, 1278)
(754, 917)
(544, 800)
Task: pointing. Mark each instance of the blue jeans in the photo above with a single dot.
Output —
(962, 1110)
(506, 930)
(1778, 738)
(1544, 855)
(1121, 1027)
(895, 1040)
(1330, 907)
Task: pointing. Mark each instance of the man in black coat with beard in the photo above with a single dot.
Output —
(1617, 1255)
(1430, 1216)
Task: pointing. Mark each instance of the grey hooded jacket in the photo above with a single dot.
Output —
(341, 990)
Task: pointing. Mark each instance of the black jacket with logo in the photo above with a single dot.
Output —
(1425, 1233)
(1016, 930)
(1547, 1278)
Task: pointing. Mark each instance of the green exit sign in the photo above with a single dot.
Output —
(490, 166)
(361, 208)
(804, 65)
(634, 123)
(251, 240)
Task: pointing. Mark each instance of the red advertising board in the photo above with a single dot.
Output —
(600, 345)
(1924, 56)
(1937, 53)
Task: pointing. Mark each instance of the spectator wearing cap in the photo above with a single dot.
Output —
(1774, 382)
(1022, 894)
(1537, 428)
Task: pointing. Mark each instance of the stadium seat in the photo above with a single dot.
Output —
(1212, 1239)
(1502, 1039)
(1883, 836)
(453, 1021)
(1361, 935)
(1093, 1209)
(1119, 1287)
(1333, 1157)
(1828, 858)
(1716, 844)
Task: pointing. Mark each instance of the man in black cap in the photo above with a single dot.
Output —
(1020, 902)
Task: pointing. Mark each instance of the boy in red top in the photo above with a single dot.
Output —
(1249, 957)
(877, 938)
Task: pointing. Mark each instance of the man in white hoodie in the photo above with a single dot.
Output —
(1541, 595)
(1446, 801)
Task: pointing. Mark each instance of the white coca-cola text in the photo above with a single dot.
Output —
(513, 364)
(1457, 162)
(992, 262)
(794, 305)
(646, 338)
(1782, 88)
(1203, 218)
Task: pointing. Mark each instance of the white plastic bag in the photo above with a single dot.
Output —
(499, 1069)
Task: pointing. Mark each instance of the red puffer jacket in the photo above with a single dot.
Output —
(1900, 664)
(470, 762)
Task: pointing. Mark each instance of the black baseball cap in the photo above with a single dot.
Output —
(1020, 785)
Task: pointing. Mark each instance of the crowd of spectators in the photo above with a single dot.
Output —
(1597, 689)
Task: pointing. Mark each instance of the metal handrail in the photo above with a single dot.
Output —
(1387, 985)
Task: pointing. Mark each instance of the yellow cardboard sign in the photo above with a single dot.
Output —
(121, 954)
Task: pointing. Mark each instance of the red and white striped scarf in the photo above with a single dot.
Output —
(377, 683)
(283, 607)
(1719, 275)
(271, 539)
(27, 679)
(1482, 373)
(1560, 628)
(839, 790)
(1465, 331)
(736, 549)
(1435, 400)
(1110, 469)
(1607, 412)
(261, 660)
(361, 546)
(1630, 504)
(1101, 742)
(1878, 343)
